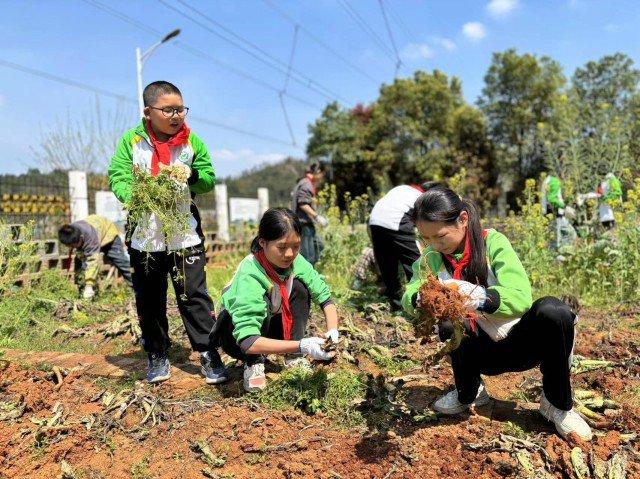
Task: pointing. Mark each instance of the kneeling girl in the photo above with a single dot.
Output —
(266, 306)
(507, 332)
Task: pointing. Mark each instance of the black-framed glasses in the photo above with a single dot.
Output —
(169, 111)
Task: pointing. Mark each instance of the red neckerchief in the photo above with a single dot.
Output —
(287, 316)
(458, 267)
(309, 177)
(162, 149)
(417, 187)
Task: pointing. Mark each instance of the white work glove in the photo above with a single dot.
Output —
(88, 292)
(475, 294)
(321, 220)
(312, 347)
(333, 334)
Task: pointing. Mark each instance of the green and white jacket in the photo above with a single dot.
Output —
(551, 194)
(135, 149)
(508, 290)
(250, 298)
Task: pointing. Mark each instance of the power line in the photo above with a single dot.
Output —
(320, 42)
(403, 26)
(393, 42)
(196, 52)
(364, 26)
(272, 61)
(103, 92)
(66, 81)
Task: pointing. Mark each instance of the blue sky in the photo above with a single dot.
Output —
(75, 40)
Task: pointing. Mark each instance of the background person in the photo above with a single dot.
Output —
(304, 205)
(393, 237)
(90, 237)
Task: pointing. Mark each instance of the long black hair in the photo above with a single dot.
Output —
(275, 223)
(443, 204)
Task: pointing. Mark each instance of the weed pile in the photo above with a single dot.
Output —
(164, 197)
(320, 391)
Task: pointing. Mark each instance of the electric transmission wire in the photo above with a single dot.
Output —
(285, 113)
(196, 52)
(133, 101)
(403, 26)
(262, 55)
(364, 26)
(319, 41)
(393, 42)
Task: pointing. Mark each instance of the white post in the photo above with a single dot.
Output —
(78, 198)
(139, 76)
(222, 212)
(263, 200)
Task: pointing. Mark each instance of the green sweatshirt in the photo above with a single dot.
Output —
(245, 301)
(554, 192)
(135, 148)
(614, 190)
(509, 290)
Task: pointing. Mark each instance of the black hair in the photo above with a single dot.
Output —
(427, 185)
(316, 167)
(275, 223)
(153, 90)
(443, 204)
(69, 234)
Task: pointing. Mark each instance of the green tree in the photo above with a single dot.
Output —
(521, 92)
(337, 137)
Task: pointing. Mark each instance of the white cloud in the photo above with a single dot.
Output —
(572, 3)
(446, 43)
(609, 27)
(417, 51)
(474, 31)
(501, 8)
(2, 100)
(230, 162)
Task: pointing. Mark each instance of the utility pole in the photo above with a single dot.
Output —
(143, 57)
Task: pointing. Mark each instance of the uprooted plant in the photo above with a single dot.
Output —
(439, 303)
(164, 197)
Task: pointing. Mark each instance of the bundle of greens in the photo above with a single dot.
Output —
(165, 197)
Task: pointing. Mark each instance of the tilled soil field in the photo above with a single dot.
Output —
(87, 417)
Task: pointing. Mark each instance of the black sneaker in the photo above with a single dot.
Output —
(159, 368)
(212, 368)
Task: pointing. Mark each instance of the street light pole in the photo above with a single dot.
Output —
(141, 58)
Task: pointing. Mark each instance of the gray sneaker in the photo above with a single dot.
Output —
(159, 368)
(212, 368)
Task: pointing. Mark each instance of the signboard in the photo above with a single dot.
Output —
(244, 209)
(107, 205)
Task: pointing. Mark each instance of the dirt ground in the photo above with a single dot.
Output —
(78, 428)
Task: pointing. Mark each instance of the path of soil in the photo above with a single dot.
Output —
(248, 441)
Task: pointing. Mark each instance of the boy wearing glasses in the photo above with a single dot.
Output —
(163, 138)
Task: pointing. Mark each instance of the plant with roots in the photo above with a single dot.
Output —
(439, 303)
(165, 197)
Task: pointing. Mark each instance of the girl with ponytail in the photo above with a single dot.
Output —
(266, 306)
(507, 331)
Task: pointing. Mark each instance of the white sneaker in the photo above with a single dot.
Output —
(296, 362)
(254, 377)
(566, 421)
(449, 404)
